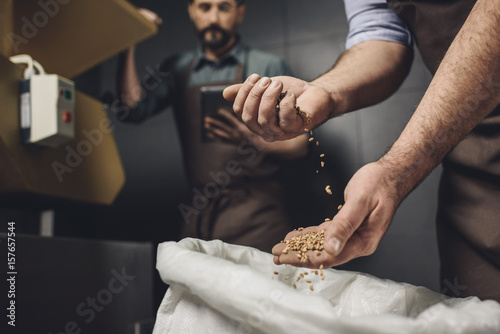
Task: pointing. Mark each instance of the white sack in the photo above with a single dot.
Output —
(221, 288)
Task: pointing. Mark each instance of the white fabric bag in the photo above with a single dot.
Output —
(222, 288)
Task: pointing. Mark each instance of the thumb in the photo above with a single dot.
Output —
(342, 227)
(230, 92)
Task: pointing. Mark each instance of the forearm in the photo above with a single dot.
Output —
(465, 89)
(129, 83)
(366, 74)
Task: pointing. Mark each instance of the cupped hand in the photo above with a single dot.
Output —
(356, 230)
(255, 104)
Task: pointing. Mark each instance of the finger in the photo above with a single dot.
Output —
(242, 95)
(218, 133)
(290, 258)
(229, 116)
(230, 92)
(289, 121)
(212, 122)
(251, 109)
(267, 118)
(211, 136)
(278, 248)
(215, 137)
(313, 260)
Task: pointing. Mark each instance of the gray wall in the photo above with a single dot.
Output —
(310, 36)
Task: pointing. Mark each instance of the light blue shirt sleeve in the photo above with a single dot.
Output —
(374, 20)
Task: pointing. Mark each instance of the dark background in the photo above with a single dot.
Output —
(309, 35)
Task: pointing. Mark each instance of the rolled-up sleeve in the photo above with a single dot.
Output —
(374, 20)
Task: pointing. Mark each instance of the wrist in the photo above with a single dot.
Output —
(335, 100)
(326, 104)
(406, 167)
(339, 103)
(396, 179)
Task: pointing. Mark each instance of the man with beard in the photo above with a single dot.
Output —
(232, 172)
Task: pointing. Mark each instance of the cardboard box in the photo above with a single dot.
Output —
(69, 37)
(6, 27)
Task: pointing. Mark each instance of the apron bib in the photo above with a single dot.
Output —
(248, 208)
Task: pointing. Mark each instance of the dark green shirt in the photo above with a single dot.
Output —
(162, 90)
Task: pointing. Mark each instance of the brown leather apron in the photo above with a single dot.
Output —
(244, 207)
(468, 219)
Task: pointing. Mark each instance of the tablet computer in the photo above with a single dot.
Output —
(211, 101)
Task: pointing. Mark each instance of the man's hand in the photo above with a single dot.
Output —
(255, 104)
(357, 228)
(227, 128)
(150, 16)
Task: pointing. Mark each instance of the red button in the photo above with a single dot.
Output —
(66, 116)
